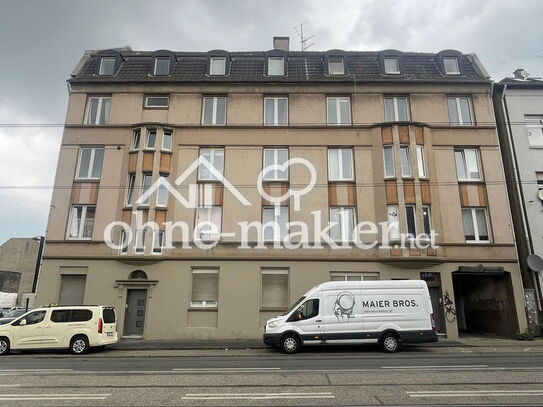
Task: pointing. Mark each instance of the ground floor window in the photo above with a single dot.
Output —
(72, 289)
(275, 288)
(350, 276)
(205, 288)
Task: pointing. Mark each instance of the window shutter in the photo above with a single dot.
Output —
(205, 286)
(274, 290)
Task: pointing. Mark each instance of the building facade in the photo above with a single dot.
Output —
(518, 104)
(405, 138)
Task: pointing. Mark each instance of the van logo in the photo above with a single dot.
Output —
(344, 306)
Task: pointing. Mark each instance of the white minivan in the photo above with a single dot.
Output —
(389, 313)
(77, 328)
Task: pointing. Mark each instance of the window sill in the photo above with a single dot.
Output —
(471, 181)
(87, 180)
(487, 242)
(193, 308)
(341, 181)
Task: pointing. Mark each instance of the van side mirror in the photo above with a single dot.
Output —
(23, 322)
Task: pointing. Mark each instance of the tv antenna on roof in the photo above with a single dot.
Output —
(304, 45)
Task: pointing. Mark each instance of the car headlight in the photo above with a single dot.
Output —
(273, 324)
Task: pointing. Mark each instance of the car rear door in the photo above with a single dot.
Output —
(109, 318)
(56, 327)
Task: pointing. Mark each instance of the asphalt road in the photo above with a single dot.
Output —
(328, 377)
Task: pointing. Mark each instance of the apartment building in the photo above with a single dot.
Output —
(352, 137)
(518, 104)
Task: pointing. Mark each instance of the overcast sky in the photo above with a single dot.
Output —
(41, 42)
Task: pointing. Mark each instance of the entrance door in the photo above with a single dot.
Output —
(135, 312)
(437, 308)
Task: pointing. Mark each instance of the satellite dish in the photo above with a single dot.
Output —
(535, 262)
(540, 195)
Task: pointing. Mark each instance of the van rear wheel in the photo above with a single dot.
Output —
(390, 342)
(290, 344)
(4, 346)
(79, 345)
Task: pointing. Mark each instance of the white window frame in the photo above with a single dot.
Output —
(270, 59)
(346, 234)
(213, 110)
(338, 61)
(461, 119)
(101, 71)
(92, 163)
(97, 121)
(130, 188)
(396, 110)
(144, 177)
(211, 63)
(213, 152)
(158, 242)
(135, 146)
(414, 212)
(391, 149)
(156, 65)
(457, 72)
(140, 235)
(394, 233)
(208, 211)
(341, 176)
(465, 164)
(147, 146)
(421, 162)
(204, 303)
(81, 225)
(164, 133)
(339, 119)
(166, 106)
(345, 274)
(406, 167)
(274, 175)
(162, 194)
(278, 236)
(123, 249)
(428, 209)
(475, 225)
(534, 122)
(397, 60)
(276, 110)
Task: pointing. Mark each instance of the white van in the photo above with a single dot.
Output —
(389, 313)
(61, 327)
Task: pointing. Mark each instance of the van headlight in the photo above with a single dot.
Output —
(273, 324)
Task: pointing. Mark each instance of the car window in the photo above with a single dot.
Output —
(81, 315)
(109, 316)
(307, 310)
(59, 316)
(15, 313)
(35, 317)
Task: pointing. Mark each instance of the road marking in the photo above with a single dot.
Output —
(42, 397)
(35, 370)
(257, 396)
(475, 393)
(437, 367)
(223, 369)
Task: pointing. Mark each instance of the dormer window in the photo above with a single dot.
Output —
(335, 66)
(162, 66)
(217, 66)
(392, 65)
(276, 66)
(451, 65)
(107, 66)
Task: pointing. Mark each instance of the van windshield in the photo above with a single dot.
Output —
(293, 306)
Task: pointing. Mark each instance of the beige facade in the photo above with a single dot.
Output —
(471, 281)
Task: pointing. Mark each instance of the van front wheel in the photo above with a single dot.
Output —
(290, 344)
(4, 346)
(390, 342)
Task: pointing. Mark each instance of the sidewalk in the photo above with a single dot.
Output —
(140, 344)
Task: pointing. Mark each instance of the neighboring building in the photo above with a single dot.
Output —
(518, 104)
(18, 265)
(393, 136)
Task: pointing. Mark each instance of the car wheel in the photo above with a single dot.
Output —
(79, 345)
(390, 342)
(290, 344)
(4, 346)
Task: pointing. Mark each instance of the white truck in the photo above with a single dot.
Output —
(389, 313)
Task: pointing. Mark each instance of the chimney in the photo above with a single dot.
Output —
(521, 74)
(281, 43)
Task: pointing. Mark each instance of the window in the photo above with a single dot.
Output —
(534, 128)
(426, 220)
(215, 159)
(72, 289)
(107, 66)
(158, 242)
(109, 316)
(277, 157)
(335, 66)
(340, 164)
(214, 110)
(334, 276)
(90, 163)
(157, 101)
(167, 140)
(393, 223)
(451, 65)
(162, 192)
(136, 137)
(145, 185)
(162, 66)
(81, 315)
(60, 316)
(467, 164)
(276, 66)
(130, 189)
(475, 224)
(392, 65)
(98, 110)
(33, 318)
(396, 109)
(342, 219)
(338, 110)
(411, 220)
(217, 66)
(274, 223)
(406, 165)
(205, 287)
(539, 178)
(421, 165)
(388, 154)
(275, 111)
(82, 222)
(151, 139)
(208, 222)
(123, 242)
(460, 111)
(308, 310)
(275, 289)
(139, 247)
